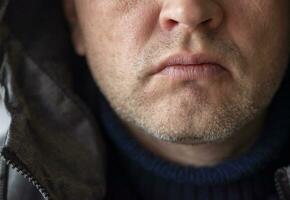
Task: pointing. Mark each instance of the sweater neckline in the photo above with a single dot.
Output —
(272, 140)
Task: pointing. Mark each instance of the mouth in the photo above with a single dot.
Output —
(187, 66)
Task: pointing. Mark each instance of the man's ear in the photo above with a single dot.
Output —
(75, 28)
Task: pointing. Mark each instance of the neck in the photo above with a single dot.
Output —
(200, 155)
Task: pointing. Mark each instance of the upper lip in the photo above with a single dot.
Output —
(186, 59)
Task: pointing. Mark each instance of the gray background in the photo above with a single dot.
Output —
(4, 115)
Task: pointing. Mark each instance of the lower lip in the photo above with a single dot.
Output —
(193, 72)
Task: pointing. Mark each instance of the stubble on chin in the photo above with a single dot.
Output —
(193, 124)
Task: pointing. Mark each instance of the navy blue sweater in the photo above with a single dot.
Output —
(136, 173)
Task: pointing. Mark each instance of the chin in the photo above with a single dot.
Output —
(191, 132)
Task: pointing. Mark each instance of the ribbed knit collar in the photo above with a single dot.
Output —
(267, 148)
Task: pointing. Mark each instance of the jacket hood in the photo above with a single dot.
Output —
(52, 138)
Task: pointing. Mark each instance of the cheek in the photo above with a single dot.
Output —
(117, 30)
(133, 31)
(260, 32)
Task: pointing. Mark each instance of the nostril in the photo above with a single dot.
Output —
(190, 14)
(171, 23)
(207, 21)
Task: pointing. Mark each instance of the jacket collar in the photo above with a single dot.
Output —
(52, 139)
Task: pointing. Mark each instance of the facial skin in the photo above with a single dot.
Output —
(123, 39)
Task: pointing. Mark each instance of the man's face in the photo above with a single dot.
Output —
(125, 40)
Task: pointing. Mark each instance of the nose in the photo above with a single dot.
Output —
(191, 14)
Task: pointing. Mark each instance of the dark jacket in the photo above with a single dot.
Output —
(52, 148)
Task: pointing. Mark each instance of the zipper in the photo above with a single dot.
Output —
(14, 162)
(281, 178)
(280, 191)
